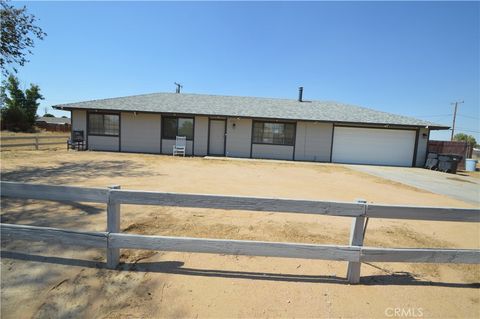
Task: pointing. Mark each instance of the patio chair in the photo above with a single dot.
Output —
(180, 145)
(77, 141)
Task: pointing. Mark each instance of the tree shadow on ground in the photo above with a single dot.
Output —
(73, 172)
(59, 292)
(72, 215)
(176, 267)
(8, 203)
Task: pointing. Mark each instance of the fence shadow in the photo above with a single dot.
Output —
(176, 267)
(407, 279)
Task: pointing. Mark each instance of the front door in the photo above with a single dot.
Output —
(216, 140)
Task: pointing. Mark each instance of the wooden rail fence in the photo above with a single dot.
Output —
(36, 140)
(355, 253)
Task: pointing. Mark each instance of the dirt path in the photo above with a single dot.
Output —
(40, 280)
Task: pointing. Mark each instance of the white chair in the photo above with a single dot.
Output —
(180, 145)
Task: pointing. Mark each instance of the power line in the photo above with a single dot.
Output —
(438, 115)
(447, 115)
(468, 116)
(466, 130)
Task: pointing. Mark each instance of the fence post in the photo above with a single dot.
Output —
(356, 239)
(113, 226)
(36, 142)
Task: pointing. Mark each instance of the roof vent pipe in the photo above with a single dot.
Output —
(179, 87)
(300, 94)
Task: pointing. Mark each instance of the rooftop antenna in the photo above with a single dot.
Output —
(179, 87)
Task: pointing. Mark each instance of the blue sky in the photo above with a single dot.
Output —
(411, 58)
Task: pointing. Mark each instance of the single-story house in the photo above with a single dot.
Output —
(252, 127)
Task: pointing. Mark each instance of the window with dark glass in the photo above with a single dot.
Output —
(103, 124)
(273, 133)
(177, 126)
(169, 127)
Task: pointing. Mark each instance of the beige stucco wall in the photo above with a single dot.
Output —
(422, 147)
(79, 121)
(201, 135)
(167, 147)
(238, 137)
(140, 132)
(103, 143)
(283, 152)
(313, 141)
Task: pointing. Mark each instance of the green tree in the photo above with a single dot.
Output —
(465, 138)
(18, 31)
(19, 108)
(48, 115)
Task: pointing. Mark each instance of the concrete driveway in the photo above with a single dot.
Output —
(465, 188)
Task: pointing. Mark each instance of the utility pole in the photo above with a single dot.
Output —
(455, 116)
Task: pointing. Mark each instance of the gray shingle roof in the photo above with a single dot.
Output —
(255, 107)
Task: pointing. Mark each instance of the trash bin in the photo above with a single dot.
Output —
(448, 163)
(470, 164)
(432, 161)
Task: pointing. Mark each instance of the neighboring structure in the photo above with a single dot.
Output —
(55, 124)
(460, 148)
(476, 153)
(252, 128)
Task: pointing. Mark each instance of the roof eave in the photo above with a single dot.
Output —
(439, 128)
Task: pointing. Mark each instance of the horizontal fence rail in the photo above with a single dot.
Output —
(55, 235)
(355, 253)
(239, 247)
(235, 247)
(36, 139)
(420, 255)
(53, 192)
(237, 203)
(260, 204)
(9, 138)
(446, 214)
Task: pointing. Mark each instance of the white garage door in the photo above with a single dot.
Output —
(373, 146)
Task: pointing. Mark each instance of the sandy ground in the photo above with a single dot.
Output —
(46, 281)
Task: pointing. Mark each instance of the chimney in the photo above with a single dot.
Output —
(300, 94)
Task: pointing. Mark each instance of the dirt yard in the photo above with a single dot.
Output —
(45, 281)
